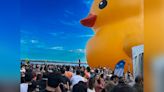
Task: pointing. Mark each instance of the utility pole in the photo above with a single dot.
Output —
(79, 62)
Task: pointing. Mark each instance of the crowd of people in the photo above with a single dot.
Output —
(63, 78)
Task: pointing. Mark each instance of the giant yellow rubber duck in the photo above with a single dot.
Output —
(118, 26)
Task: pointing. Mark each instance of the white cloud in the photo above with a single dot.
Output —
(81, 50)
(23, 41)
(90, 35)
(34, 41)
(56, 34)
(57, 48)
(78, 50)
(69, 12)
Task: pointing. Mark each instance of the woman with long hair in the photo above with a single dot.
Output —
(91, 85)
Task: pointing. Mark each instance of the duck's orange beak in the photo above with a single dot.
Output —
(89, 21)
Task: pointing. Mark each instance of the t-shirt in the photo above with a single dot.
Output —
(85, 80)
(76, 78)
(68, 74)
(32, 86)
(89, 90)
(99, 87)
(87, 75)
(131, 83)
(64, 80)
(23, 87)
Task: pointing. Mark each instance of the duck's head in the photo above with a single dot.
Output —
(109, 11)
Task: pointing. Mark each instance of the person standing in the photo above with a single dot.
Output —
(53, 83)
(65, 82)
(99, 85)
(68, 73)
(76, 78)
(91, 85)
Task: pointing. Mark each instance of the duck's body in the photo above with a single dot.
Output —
(114, 35)
(113, 43)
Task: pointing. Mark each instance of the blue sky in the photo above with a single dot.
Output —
(50, 29)
(9, 40)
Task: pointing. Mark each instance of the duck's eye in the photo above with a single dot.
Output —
(103, 4)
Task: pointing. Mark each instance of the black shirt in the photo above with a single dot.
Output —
(64, 80)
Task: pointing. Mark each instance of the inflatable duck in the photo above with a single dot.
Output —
(118, 26)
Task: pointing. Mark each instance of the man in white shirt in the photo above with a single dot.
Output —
(76, 78)
(23, 87)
